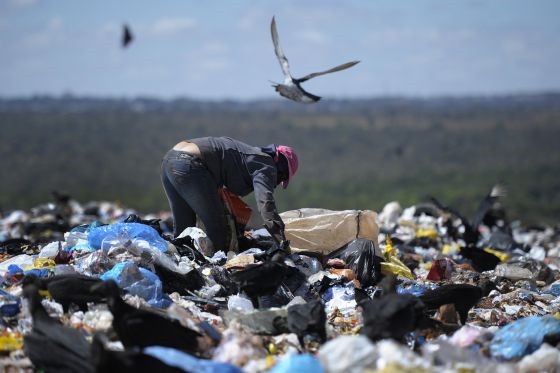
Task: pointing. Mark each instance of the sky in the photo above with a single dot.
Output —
(223, 50)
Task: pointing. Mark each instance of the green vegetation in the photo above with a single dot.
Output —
(353, 154)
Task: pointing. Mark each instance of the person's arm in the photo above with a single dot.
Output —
(263, 186)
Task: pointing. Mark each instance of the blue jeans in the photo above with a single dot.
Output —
(191, 191)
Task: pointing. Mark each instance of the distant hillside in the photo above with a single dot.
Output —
(353, 153)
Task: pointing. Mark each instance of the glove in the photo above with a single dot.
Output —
(280, 253)
(276, 231)
(285, 246)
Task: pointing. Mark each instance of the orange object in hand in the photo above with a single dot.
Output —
(240, 210)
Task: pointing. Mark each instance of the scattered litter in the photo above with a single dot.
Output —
(431, 292)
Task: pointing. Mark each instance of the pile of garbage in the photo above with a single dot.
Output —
(99, 288)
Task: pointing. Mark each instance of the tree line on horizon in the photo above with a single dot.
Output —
(357, 154)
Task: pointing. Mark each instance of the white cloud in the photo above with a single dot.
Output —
(167, 26)
(55, 24)
(432, 37)
(50, 33)
(314, 37)
(145, 72)
(109, 29)
(203, 69)
(38, 40)
(23, 3)
(514, 46)
(215, 47)
(252, 19)
(213, 64)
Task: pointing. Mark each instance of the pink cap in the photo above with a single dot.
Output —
(292, 158)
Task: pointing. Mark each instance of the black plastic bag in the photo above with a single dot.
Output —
(308, 319)
(361, 257)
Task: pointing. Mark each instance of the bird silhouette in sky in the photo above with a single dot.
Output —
(127, 36)
(291, 88)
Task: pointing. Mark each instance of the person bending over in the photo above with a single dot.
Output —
(193, 171)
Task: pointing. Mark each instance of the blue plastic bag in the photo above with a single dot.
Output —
(14, 270)
(416, 289)
(304, 363)
(523, 336)
(124, 232)
(10, 305)
(43, 272)
(553, 289)
(138, 281)
(189, 363)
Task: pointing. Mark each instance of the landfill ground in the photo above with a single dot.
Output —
(96, 287)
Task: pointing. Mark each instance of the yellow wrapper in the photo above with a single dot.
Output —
(11, 342)
(449, 249)
(426, 232)
(501, 255)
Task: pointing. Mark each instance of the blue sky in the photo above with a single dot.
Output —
(222, 49)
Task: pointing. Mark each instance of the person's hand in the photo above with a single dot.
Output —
(285, 246)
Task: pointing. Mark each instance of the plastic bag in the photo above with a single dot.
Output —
(362, 257)
(306, 264)
(349, 354)
(9, 304)
(201, 242)
(22, 261)
(50, 250)
(393, 265)
(298, 363)
(341, 297)
(124, 232)
(523, 336)
(239, 303)
(140, 282)
(308, 319)
(324, 231)
(188, 363)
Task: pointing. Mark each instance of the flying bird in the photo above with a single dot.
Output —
(127, 36)
(291, 88)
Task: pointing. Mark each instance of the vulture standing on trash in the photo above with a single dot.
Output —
(472, 234)
(68, 289)
(291, 88)
(182, 283)
(51, 346)
(141, 328)
(463, 296)
(480, 259)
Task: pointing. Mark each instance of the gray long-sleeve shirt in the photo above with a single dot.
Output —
(243, 169)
